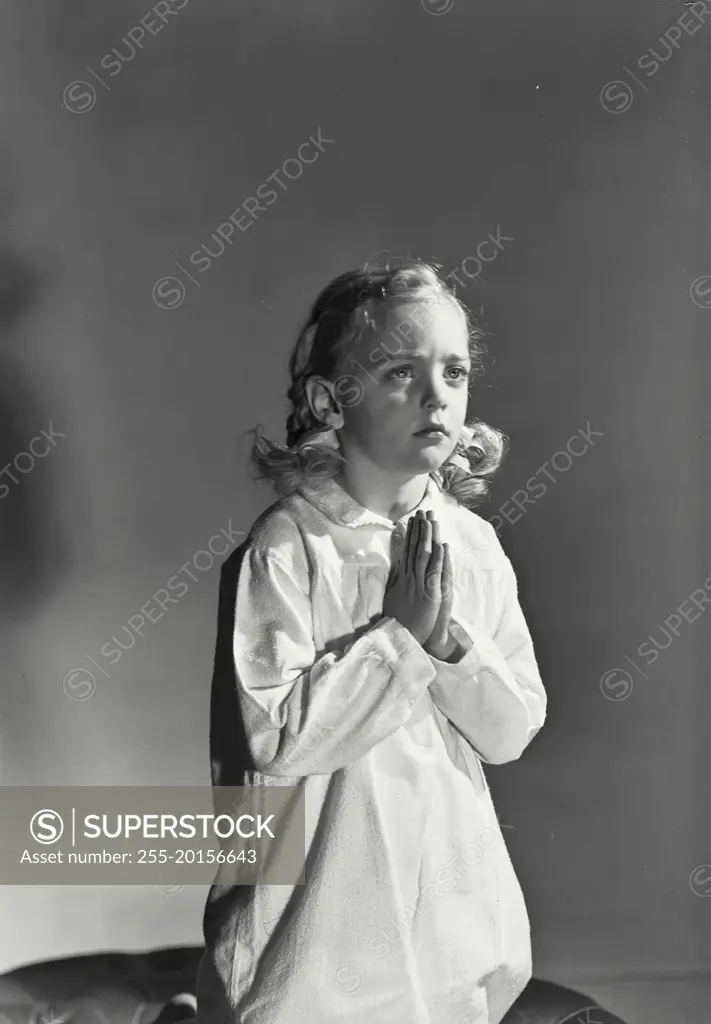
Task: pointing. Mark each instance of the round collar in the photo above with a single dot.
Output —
(334, 501)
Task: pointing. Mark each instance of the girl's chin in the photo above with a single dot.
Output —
(429, 460)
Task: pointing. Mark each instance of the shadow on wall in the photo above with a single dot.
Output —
(32, 554)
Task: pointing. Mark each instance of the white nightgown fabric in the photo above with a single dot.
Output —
(412, 912)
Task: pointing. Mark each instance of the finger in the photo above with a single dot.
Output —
(436, 552)
(405, 553)
(447, 585)
(433, 575)
(424, 548)
(436, 540)
(414, 540)
(406, 547)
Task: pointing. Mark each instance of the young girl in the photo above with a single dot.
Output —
(380, 654)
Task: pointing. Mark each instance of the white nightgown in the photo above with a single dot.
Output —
(412, 912)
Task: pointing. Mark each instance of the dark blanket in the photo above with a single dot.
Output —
(132, 988)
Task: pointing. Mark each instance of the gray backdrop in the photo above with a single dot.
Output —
(448, 123)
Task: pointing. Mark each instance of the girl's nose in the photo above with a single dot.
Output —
(435, 395)
(434, 400)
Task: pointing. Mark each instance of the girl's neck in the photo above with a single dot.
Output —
(380, 494)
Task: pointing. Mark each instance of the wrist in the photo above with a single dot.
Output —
(450, 650)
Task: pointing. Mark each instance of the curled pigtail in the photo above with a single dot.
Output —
(478, 455)
(310, 462)
(300, 420)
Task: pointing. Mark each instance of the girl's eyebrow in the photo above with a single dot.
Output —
(451, 358)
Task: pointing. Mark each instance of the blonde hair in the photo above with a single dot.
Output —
(338, 318)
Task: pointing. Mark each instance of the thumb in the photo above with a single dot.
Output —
(397, 549)
(440, 633)
(440, 630)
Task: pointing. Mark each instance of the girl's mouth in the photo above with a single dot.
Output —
(431, 435)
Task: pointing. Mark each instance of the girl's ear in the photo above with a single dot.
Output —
(325, 409)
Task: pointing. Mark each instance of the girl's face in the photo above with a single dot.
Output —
(412, 372)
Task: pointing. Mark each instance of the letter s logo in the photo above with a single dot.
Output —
(46, 826)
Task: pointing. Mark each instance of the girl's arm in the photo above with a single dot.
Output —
(309, 715)
(494, 694)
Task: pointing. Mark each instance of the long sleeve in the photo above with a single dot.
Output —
(309, 715)
(494, 694)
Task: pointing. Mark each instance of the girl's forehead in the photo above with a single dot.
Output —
(426, 307)
(431, 320)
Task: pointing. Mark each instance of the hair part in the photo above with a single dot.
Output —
(342, 313)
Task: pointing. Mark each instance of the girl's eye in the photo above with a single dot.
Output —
(462, 372)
